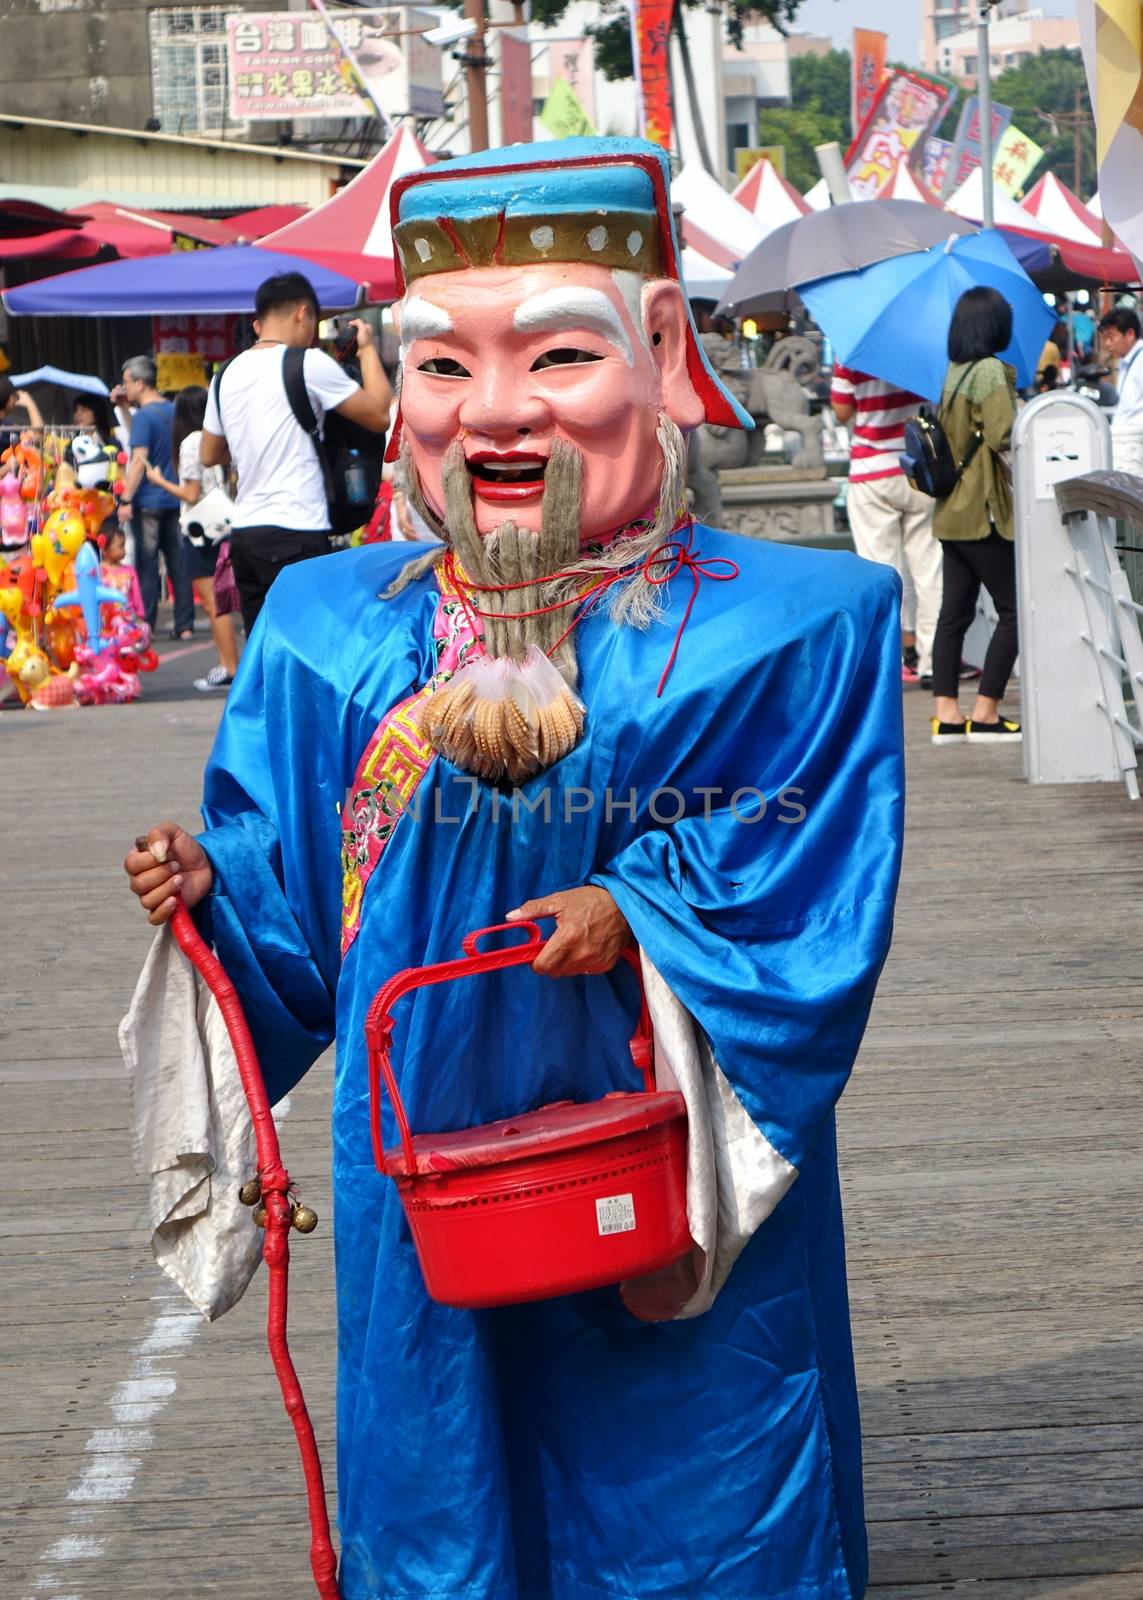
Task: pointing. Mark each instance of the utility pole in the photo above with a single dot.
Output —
(476, 62)
(984, 96)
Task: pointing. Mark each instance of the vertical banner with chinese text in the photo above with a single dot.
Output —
(905, 110)
(1016, 156)
(935, 158)
(870, 49)
(967, 144)
(574, 59)
(650, 40)
(515, 90)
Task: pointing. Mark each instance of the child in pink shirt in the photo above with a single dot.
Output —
(116, 573)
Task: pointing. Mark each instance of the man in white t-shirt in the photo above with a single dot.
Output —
(280, 512)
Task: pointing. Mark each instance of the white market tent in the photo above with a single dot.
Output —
(968, 201)
(704, 279)
(708, 205)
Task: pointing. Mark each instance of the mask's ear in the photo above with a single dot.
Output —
(665, 319)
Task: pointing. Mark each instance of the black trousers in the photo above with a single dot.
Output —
(968, 563)
(259, 554)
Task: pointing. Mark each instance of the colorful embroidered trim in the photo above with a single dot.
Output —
(395, 760)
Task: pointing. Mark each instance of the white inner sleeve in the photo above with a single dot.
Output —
(735, 1177)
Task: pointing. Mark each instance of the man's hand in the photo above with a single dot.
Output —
(591, 931)
(164, 865)
(364, 334)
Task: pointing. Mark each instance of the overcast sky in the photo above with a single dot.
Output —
(901, 19)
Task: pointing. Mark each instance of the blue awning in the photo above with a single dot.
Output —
(187, 282)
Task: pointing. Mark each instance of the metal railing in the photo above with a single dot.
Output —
(1092, 507)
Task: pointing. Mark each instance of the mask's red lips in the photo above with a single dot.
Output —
(511, 475)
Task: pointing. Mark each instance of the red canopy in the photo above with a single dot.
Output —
(350, 232)
(258, 223)
(1084, 261)
(201, 229)
(68, 244)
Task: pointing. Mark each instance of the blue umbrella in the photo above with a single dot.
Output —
(183, 283)
(891, 320)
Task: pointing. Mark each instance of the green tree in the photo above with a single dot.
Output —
(1048, 84)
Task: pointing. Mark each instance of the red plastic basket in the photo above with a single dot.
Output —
(555, 1201)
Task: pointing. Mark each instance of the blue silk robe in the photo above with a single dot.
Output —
(566, 1450)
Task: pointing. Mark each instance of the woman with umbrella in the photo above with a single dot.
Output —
(975, 522)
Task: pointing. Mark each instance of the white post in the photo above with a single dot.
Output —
(1067, 738)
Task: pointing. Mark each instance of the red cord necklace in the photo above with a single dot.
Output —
(658, 567)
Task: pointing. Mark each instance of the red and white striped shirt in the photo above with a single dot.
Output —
(879, 425)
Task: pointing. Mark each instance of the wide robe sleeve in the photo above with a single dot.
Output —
(271, 796)
(763, 932)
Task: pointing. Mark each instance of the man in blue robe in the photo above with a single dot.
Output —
(579, 706)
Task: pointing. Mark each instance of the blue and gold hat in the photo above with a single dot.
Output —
(601, 200)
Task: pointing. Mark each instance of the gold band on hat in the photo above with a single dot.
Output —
(614, 239)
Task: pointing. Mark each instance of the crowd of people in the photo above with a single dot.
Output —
(237, 459)
(226, 485)
(946, 551)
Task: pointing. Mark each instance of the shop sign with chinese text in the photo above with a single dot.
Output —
(283, 64)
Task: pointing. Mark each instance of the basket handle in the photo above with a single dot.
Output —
(379, 1022)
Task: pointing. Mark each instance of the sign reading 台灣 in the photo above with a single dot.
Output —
(283, 64)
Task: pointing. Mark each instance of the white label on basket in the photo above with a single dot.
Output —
(616, 1213)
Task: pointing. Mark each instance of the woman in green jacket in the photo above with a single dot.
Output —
(975, 523)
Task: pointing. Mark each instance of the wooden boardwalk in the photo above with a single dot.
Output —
(991, 1165)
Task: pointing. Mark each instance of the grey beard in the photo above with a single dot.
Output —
(511, 554)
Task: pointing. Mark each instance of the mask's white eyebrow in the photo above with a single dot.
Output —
(421, 319)
(561, 310)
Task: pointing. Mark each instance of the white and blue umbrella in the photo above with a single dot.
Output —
(891, 320)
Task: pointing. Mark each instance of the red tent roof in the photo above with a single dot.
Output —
(903, 184)
(1061, 213)
(258, 223)
(707, 245)
(769, 196)
(1084, 261)
(66, 244)
(350, 232)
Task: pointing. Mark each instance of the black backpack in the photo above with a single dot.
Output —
(351, 456)
(928, 461)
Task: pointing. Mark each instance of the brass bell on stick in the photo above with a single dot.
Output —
(251, 1192)
(304, 1219)
(259, 1214)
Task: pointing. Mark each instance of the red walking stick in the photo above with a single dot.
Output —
(274, 1192)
